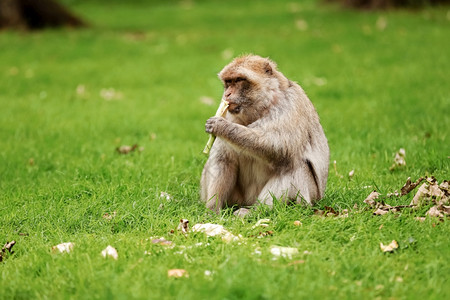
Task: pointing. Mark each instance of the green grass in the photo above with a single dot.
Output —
(376, 88)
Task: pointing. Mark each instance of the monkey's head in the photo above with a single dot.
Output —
(250, 86)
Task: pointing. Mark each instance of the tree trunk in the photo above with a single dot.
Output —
(36, 14)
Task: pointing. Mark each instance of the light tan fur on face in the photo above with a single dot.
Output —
(270, 144)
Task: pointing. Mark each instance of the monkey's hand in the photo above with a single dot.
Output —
(215, 125)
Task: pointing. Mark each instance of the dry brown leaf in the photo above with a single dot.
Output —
(319, 212)
(371, 198)
(177, 273)
(216, 230)
(431, 191)
(435, 191)
(7, 249)
(183, 226)
(330, 211)
(110, 252)
(383, 209)
(380, 212)
(268, 232)
(445, 186)
(444, 200)
(422, 193)
(409, 186)
(63, 247)
(262, 234)
(432, 180)
(399, 159)
(445, 209)
(434, 212)
(389, 248)
(351, 173)
(125, 149)
(298, 223)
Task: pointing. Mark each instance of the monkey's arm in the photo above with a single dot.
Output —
(221, 112)
(254, 141)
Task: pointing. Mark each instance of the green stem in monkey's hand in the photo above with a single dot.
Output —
(221, 112)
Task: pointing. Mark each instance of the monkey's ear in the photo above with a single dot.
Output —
(268, 68)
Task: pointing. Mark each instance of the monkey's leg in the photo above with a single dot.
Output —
(218, 184)
(298, 186)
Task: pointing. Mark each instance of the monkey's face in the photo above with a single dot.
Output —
(249, 84)
(237, 94)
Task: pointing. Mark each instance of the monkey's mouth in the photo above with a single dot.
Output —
(234, 108)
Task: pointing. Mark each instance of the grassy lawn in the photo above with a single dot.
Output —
(140, 75)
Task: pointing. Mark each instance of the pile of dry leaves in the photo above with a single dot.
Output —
(429, 192)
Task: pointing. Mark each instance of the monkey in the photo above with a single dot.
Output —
(270, 144)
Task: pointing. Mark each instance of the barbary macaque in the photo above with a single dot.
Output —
(269, 145)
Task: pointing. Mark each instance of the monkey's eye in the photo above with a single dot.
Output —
(240, 79)
(228, 82)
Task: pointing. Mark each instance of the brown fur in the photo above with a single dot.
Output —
(270, 144)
